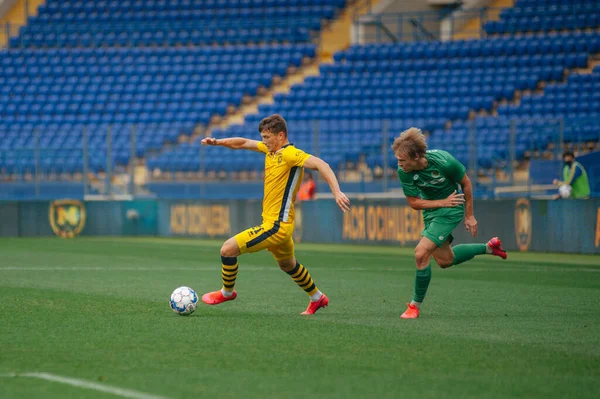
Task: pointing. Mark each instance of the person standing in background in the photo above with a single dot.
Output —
(574, 176)
(308, 188)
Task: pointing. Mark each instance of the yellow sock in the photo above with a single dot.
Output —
(302, 277)
(229, 271)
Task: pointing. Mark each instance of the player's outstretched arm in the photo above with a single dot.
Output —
(235, 143)
(325, 171)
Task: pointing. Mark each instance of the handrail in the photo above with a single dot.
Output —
(410, 25)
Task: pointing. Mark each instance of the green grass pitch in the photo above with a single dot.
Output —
(96, 309)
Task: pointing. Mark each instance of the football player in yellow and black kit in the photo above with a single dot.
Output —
(284, 169)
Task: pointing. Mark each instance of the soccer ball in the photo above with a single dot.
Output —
(564, 191)
(184, 301)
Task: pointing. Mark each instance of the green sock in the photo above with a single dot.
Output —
(422, 279)
(465, 252)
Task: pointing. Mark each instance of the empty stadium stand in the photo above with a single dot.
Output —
(164, 91)
(174, 22)
(546, 16)
(147, 72)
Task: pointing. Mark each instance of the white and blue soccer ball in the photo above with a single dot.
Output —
(184, 301)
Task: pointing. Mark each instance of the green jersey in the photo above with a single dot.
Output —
(437, 181)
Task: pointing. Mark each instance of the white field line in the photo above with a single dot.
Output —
(125, 393)
(126, 268)
(525, 269)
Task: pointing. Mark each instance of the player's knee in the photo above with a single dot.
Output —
(226, 252)
(422, 256)
(287, 264)
(229, 250)
(444, 263)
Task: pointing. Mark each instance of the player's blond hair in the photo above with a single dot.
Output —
(411, 142)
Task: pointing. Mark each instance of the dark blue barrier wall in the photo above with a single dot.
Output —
(207, 218)
(554, 226)
(9, 218)
(103, 218)
(31, 218)
(146, 221)
(566, 226)
(110, 218)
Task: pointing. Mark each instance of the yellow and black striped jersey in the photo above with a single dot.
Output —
(283, 175)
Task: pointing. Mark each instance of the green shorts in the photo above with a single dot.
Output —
(439, 225)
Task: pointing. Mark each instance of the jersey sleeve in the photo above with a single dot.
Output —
(453, 169)
(262, 147)
(295, 157)
(408, 185)
(574, 174)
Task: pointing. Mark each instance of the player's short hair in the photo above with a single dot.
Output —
(567, 153)
(410, 142)
(273, 124)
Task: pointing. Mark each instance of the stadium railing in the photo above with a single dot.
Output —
(456, 23)
(421, 25)
(136, 161)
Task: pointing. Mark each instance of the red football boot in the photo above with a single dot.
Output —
(411, 313)
(314, 306)
(217, 297)
(496, 246)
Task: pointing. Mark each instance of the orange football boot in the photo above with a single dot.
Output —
(217, 297)
(314, 306)
(411, 313)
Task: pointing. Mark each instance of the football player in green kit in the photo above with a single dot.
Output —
(432, 181)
